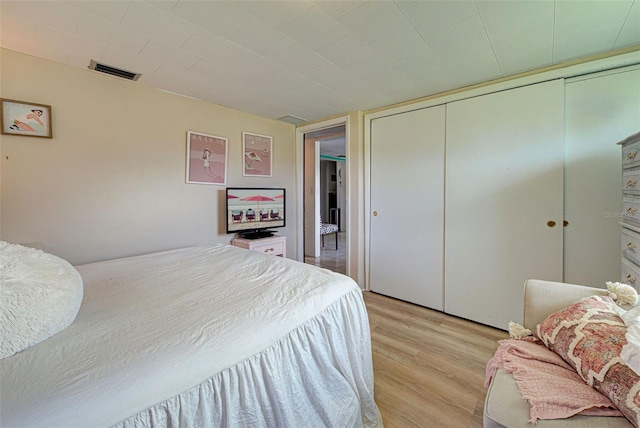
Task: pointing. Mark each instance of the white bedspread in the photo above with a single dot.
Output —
(205, 336)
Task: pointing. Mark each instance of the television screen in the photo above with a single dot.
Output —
(253, 210)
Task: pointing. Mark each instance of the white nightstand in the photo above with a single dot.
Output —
(274, 245)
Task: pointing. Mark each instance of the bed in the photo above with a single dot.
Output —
(205, 336)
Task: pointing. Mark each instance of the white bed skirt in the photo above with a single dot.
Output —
(335, 391)
(211, 336)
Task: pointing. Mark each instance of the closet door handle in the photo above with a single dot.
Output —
(551, 223)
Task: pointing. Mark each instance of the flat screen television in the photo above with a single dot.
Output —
(252, 211)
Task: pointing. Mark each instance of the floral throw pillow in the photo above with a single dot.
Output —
(589, 336)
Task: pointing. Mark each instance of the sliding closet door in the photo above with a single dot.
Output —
(504, 200)
(406, 218)
(601, 110)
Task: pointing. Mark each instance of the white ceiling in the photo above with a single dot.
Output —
(315, 59)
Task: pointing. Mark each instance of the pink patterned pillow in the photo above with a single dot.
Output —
(589, 336)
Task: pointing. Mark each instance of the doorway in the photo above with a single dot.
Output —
(324, 196)
(325, 172)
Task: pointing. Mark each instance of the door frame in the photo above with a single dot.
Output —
(311, 152)
(300, 132)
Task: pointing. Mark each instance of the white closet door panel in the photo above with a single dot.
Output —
(504, 183)
(407, 192)
(600, 110)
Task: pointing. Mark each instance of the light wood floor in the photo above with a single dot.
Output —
(429, 367)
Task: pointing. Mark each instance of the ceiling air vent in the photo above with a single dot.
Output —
(107, 69)
(292, 120)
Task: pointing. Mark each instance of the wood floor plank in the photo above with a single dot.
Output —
(464, 378)
(429, 367)
(392, 348)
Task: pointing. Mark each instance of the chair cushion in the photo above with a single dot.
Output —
(504, 407)
(326, 228)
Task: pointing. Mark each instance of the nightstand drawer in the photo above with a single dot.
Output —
(269, 248)
(274, 245)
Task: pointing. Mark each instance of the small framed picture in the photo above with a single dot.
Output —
(206, 159)
(25, 118)
(257, 151)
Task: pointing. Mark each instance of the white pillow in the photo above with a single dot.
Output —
(631, 351)
(40, 295)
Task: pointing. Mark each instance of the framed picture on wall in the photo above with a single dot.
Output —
(25, 118)
(206, 159)
(257, 151)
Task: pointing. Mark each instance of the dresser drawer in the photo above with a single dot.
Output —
(630, 274)
(631, 211)
(631, 182)
(631, 155)
(631, 245)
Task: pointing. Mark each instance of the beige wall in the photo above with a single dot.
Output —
(111, 182)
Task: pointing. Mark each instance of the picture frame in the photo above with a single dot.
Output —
(257, 155)
(206, 159)
(25, 118)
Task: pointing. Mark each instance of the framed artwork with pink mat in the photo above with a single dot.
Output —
(206, 159)
(257, 155)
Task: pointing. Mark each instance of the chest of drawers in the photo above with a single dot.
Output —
(630, 242)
